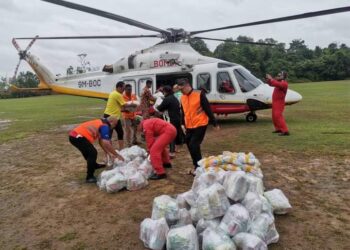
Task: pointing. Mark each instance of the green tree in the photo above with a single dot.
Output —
(27, 80)
(200, 46)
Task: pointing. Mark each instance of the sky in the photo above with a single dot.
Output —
(19, 18)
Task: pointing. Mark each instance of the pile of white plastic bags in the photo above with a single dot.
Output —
(131, 174)
(226, 208)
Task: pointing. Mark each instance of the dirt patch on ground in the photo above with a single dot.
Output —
(45, 203)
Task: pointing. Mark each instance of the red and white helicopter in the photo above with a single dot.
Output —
(230, 87)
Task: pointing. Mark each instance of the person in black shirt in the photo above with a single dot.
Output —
(172, 106)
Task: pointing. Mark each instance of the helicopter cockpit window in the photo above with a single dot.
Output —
(224, 83)
(142, 84)
(246, 80)
(203, 82)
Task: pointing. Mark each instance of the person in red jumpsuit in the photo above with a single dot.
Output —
(158, 135)
(278, 102)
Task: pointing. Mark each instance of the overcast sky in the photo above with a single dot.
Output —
(19, 18)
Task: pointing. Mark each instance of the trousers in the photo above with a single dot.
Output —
(159, 153)
(277, 116)
(193, 139)
(88, 151)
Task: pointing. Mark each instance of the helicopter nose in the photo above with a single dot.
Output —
(293, 97)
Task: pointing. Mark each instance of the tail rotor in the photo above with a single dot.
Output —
(22, 55)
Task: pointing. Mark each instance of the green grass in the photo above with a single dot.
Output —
(35, 114)
(319, 123)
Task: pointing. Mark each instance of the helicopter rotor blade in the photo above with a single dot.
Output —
(31, 43)
(16, 70)
(15, 44)
(280, 19)
(233, 41)
(88, 37)
(107, 15)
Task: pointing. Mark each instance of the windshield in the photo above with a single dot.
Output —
(246, 80)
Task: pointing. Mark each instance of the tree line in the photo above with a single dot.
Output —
(301, 63)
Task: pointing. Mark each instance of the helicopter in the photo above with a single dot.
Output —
(230, 88)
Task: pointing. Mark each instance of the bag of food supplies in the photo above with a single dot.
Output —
(153, 233)
(249, 241)
(145, 168)
(116, 183)
(253, 204)
(236, 185)
(279, 202)
(263, 226)
(216, 239)
(184, 238)
(184, 218)
(165, 206)
(136, 182)
(235, 220)
(212, 202)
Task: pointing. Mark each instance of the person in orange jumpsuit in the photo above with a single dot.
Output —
(278, 102)
(158, 135)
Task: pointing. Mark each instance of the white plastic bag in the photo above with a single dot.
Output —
(182, 238)
(184, 218)
(246, 241)
(145, 168)
(253, 204)
(235, 220)
(104, 177)
(203, 181)
(279, 202)
(214, 239)
(136, 181)
(165, 206)
(255, 184)
(195, 216)
(212, 202)
(204, 224)
(153, 233)
(116, 183)
(236, 185)
(264, 227)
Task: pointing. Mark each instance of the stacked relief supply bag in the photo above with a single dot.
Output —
(249, 241)
(263, 226)
(136, 182)
(165, 206)
(236, 185)
(116, 183)
(184, 238)
(153, 233)
(236, 220)
(212, 202)
(216, 239)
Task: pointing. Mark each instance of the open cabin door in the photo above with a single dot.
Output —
(170, 79)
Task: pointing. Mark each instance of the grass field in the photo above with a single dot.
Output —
(45, 203)
(321, 122)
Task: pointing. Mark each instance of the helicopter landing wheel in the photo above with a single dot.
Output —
(251, 117)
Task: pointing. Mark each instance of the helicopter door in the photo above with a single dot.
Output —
(171, 79)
